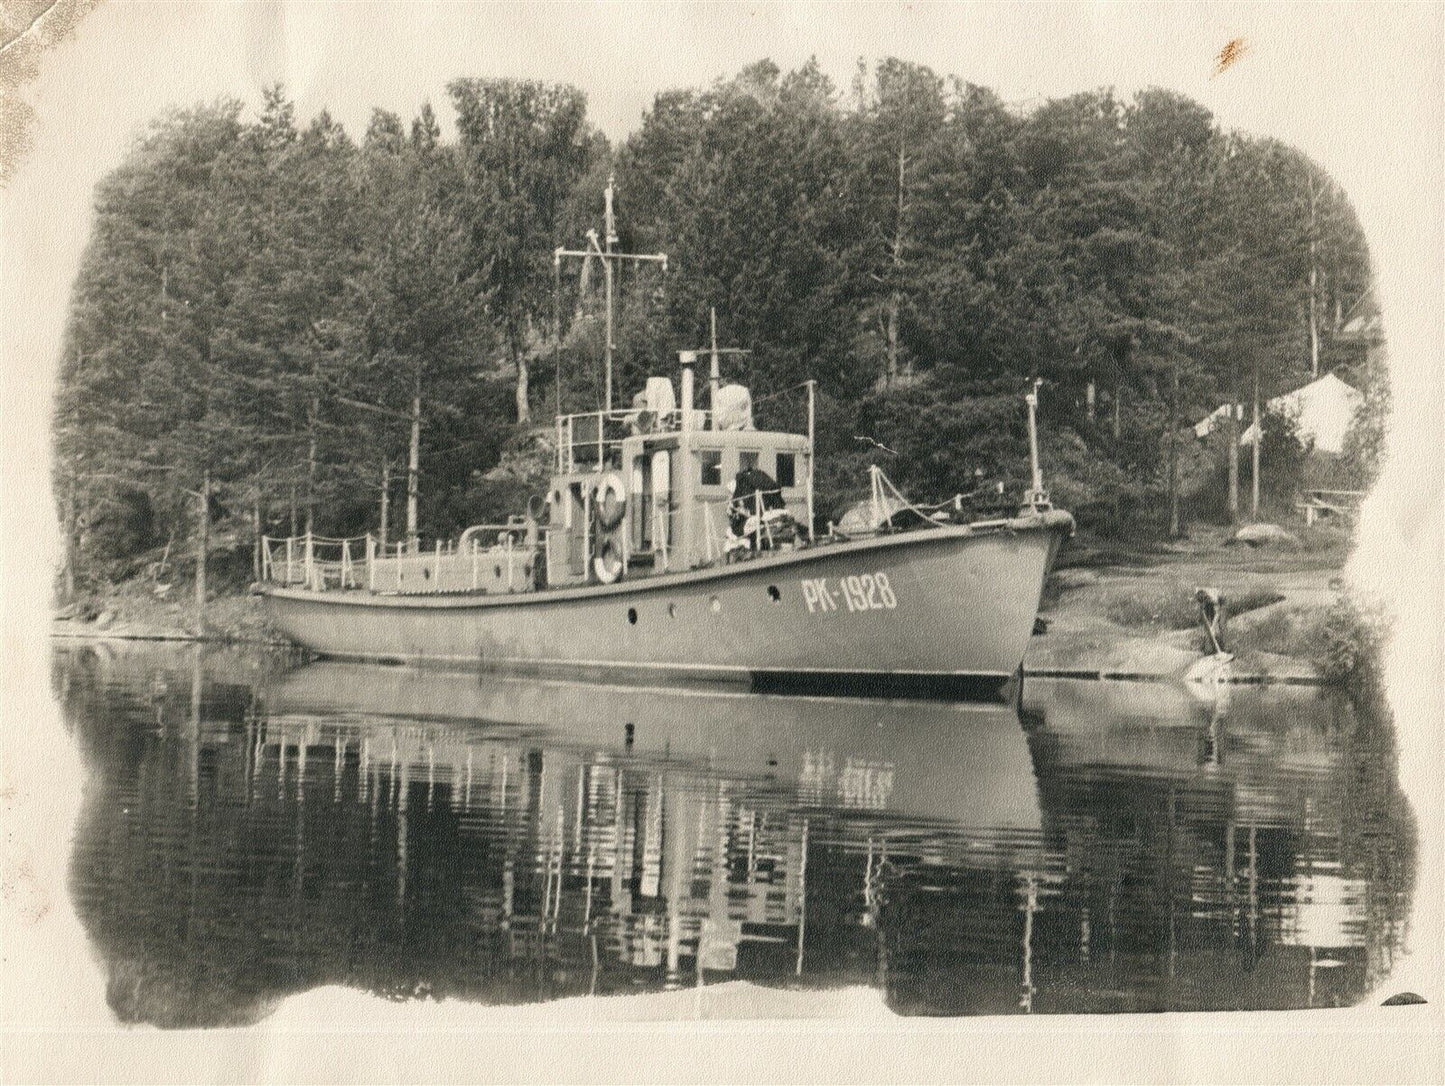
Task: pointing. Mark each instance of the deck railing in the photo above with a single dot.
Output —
(316, 562)
(593, 439)
(488, 557)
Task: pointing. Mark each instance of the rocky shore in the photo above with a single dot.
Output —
(1289, 617)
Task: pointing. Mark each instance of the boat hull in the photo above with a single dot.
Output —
(967, 764)
(924, 610)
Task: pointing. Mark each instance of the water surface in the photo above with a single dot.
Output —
(253, 828)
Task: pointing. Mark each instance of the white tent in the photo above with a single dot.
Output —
(1205, 426)
(1322, 412)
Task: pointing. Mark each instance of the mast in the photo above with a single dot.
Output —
(610, 224)
(812, 412)
(1038, 495)
(715, 353)
(604, 250)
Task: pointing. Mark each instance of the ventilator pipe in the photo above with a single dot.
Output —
(687, 360)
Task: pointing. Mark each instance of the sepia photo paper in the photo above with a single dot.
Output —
(710, 542)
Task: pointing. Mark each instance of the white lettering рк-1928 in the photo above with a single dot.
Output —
(859, 592)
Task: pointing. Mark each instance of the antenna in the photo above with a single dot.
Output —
(608, 258)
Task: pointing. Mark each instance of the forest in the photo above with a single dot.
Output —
(270, 308)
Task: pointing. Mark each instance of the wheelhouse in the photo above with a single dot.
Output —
(654, 489)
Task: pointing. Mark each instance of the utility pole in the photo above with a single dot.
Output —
(606, 252)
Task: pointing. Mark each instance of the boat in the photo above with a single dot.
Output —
(645, 564)
(678, 542)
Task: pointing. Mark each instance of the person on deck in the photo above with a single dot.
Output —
(754, 490)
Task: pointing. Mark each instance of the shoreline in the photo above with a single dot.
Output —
(1296, 672)
(1105, 617)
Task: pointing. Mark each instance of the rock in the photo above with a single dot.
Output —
(68, 612)
(1075, 578)
(104, 619)
(1259, 535)
(1404, 999)
(1209, 670)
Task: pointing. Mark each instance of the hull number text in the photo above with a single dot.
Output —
(866, 592)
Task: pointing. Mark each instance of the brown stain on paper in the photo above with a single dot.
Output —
(27, 29)
(1232, 51)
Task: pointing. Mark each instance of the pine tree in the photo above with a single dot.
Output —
(523, 145)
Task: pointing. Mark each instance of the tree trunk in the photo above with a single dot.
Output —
(1314, 284)
(413, 467)
(68, 574)
(1233, 458)
(1172, 424)
(257, 567)
(895, 300)
(890, 377)
(203, 544)
(524, 408)
(1090, 394)
(1254, 452)
(311, 467)
(1118, 420)
(385, 501)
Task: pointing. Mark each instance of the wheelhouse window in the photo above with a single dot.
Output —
(787, 469)
(710, 461)
(747, 460)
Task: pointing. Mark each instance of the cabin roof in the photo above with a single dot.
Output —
(719, 439)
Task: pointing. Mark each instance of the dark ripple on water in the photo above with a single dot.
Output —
(252, 830)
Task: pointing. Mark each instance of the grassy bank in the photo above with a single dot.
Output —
(1344, 640)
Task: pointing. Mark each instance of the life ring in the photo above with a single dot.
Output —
(608, 563)
(611, 501)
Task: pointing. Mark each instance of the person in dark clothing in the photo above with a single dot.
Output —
(749, 484)
(753, 487)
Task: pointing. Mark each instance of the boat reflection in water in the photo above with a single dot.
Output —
(248, 835)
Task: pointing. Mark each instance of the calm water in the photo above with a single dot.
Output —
(252, 830)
